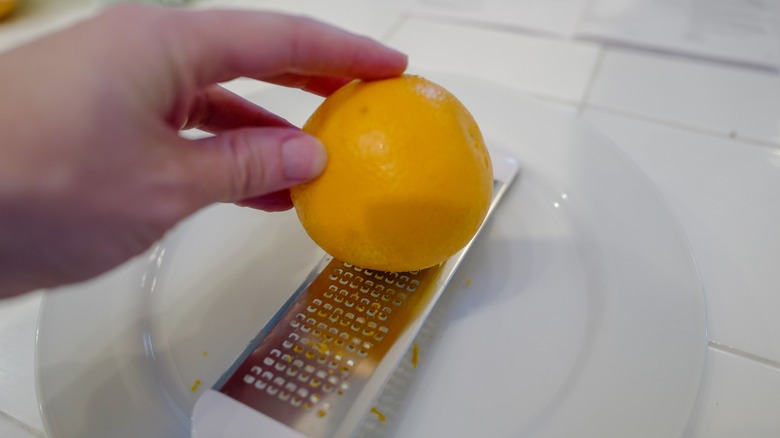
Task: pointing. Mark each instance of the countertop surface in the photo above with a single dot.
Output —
(701, 120)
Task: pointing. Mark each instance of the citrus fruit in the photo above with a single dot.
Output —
(408, 180)
(6, 7)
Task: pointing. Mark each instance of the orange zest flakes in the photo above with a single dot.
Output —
(415, 355)
(379, 415)
(322, 347)
(195, 385)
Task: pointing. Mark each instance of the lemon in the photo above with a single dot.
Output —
(408, 180)
(6, 7)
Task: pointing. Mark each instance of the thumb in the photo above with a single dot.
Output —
(246, 163)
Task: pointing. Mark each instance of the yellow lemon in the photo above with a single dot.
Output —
(6, 7)
(408, 180)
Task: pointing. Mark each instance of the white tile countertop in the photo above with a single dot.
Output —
(706, 133)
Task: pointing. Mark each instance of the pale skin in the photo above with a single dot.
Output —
(93, 169)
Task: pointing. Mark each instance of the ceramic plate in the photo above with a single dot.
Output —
(578, 312)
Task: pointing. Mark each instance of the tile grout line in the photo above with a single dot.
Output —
(583, 104)
(715, 345)
(691, 128)
(4, 416)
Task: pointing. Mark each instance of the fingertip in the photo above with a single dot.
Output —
(303, 157)
(400, 59)
(246, 163)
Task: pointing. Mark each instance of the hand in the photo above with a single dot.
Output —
(92, 167)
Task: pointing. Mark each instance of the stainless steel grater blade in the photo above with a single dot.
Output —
(324, 357)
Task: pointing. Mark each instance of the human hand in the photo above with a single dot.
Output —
(92, 167)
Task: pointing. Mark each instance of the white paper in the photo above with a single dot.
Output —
(739, 31)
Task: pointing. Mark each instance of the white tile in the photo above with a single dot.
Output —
(550, 68)
(11, 429)
(741, 398)
(728, 100)
(18, 325)
(559, 18)
(725, 195)
(565, 108)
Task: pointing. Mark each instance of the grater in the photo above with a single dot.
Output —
(316, 367)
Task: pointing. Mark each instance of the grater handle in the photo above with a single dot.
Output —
(217, 415)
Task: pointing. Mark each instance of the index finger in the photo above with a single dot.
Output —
(221, 45)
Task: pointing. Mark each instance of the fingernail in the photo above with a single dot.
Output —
(303, 157)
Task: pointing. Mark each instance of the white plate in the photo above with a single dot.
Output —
(579, 311)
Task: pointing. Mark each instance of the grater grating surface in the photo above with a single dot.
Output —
(315, 360)
(326, 354)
